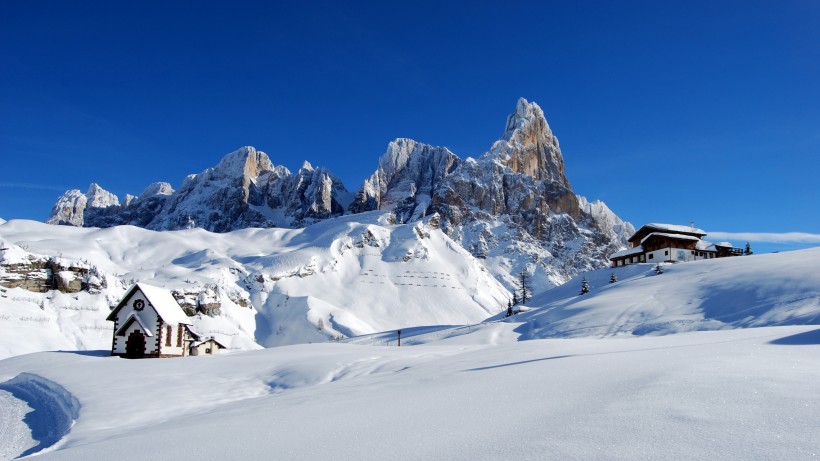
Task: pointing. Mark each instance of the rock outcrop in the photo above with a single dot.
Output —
(408, 176)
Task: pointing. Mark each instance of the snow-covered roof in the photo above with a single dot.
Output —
(669, 228)
(703, 245)
(676, 228)
(674, 236)
(137, 319)
(164, 303)
(161, 300)
(210, 339)
(628, 252)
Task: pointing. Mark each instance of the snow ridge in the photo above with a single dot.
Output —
(54, 410)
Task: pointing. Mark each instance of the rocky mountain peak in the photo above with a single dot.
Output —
(100, 198)
(157, 188)
(529, 147)
(244, 162)
(409, 173)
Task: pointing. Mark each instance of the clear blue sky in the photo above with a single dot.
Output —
(667, 111)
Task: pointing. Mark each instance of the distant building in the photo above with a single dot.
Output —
(148, 322)
(657, 243)
(209, 346)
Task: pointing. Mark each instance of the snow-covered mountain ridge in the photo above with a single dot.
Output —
(513, 207)
(359, 275)
(248, 288)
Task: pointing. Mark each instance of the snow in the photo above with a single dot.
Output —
(597, 376)
(631, 251)
(357, 275)
(674, 236)
(736, 292)
(739, 394)
(675, 228)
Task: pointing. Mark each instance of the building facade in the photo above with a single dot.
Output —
(657, 243)
(148, 322)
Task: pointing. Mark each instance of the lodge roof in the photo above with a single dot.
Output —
(666, 228)
(628, 252)
(673, 236)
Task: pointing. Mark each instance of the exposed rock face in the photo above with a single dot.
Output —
(244, 190)
(71, 208)
(513, 205)
(40, 274)
(408, 176)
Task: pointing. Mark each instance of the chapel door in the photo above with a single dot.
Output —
(135, 345)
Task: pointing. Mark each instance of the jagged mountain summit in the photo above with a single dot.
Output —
(244, 190)
(513, 207)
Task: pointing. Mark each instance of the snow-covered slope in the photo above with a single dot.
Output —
(335, 279)
(728, 395)
(740, 292)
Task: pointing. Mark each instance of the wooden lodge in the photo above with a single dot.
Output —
(657, 243)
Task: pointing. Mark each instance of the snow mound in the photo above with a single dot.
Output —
(54, 411)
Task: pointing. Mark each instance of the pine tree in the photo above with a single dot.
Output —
(613, 278)
(584, 286)
(509, 308)
(515, 299)
(748, 249)
(524, 285)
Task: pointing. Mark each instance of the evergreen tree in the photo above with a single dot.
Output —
(509, 308)
(659, 269)
(584, 286)
(613, 278)
(524, 285)
(748, 249)
(515, 299)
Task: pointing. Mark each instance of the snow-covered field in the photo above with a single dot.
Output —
(738, 394)
(714, 359)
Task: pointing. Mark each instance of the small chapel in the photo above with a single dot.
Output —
(148, 322)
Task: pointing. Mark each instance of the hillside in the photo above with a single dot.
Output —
(252, 287)
(741, 292)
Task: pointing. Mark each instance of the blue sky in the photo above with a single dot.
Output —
(667, 111)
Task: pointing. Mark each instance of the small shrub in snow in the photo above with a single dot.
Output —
(584, 286)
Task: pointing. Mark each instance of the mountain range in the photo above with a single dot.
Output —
(512, 207)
